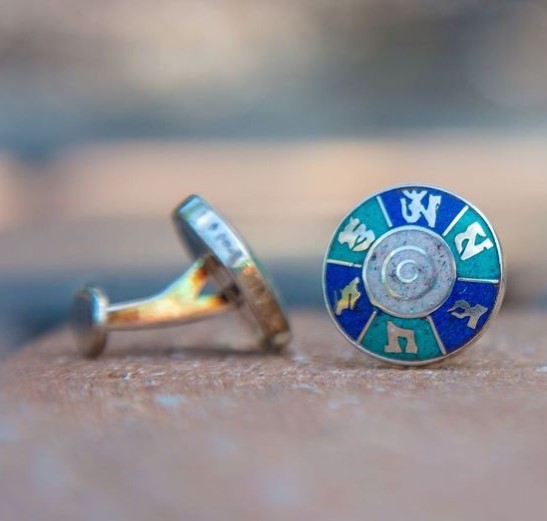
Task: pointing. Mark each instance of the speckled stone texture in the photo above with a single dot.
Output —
(174, 424)
(427, 263)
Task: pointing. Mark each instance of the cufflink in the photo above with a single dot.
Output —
(222, 258)
(413, 275)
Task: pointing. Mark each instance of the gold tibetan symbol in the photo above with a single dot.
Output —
(349, 297)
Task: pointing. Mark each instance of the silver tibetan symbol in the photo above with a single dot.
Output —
(222, 257)
(413, 274)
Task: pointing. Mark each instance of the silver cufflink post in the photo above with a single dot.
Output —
(221, 257)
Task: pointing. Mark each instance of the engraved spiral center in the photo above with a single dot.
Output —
(404, 273)
(409, 272)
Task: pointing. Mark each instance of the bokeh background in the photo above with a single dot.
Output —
(282, 114)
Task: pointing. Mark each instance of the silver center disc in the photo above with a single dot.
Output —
(409, 272)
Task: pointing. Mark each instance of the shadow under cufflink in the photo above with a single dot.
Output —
(222, 258)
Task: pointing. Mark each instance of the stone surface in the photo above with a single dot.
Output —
(173, 425)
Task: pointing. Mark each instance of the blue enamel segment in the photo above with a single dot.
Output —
(411, 333)
(397, 205)
(351, 319)
(455, 332)
(365, 224)
(474, 247)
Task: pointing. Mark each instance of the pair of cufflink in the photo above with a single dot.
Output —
(412, 275)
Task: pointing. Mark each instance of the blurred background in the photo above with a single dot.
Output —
(283, 114)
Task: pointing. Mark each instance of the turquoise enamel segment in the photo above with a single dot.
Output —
(413, 275)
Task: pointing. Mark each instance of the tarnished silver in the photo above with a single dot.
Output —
(221, 257)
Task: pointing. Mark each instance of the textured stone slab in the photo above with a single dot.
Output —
(175, 425)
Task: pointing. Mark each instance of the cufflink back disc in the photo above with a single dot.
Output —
(222, 257)
(413, 274)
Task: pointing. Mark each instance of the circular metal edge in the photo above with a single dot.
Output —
(495, 310)
(206, 233)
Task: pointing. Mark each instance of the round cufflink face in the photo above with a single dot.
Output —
(207, 234)
(413, 274)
